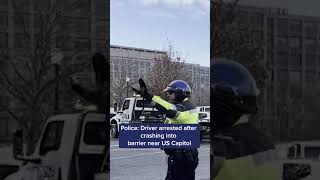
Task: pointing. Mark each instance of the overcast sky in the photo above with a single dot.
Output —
(301, 7)
(152, 24)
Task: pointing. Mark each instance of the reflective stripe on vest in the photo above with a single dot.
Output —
(184, 117)
(163, 103)
(260, 166)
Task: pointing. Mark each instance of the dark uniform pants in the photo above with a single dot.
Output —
(182, 164)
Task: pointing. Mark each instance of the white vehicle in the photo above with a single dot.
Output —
(134, 110)
(204, 119)
(8, 164)
(72, 146)
(112, 112)
(301, 158)
(204, 110)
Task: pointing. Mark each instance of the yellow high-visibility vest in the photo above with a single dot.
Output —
(259, 166)
(184, 117)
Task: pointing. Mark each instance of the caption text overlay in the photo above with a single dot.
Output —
(155, 135)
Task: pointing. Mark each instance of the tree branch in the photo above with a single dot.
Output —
(12, 89)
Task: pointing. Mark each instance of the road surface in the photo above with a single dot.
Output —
(150, 164)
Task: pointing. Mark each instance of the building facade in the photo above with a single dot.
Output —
(80, 30)
(135, 63)
(291, 52)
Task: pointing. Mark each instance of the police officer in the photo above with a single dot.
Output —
(182, 163)
(99, 95)
(240, 151)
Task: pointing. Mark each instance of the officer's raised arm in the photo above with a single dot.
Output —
(179, 90)
(182, 163)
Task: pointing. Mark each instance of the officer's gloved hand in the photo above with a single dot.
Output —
(143, 91)
(171, 113)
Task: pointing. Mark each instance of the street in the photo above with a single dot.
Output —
(146, 164)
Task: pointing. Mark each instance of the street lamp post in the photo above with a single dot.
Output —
(127, 80)
(56, 57)
(201, 93)
(56, 91)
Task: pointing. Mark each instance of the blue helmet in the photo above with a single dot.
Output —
(181, 89)
(178, 86)
(230, 74)
(233, 91)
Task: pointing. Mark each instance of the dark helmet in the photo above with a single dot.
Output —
(181, 89)
(234, 91)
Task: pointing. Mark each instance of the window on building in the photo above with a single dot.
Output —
(243, 18)
(310, 30)
(256, 19)
(66, 22)
(3, 20)
(257, 35)
(23, 5)
(64, 42)
(295, 84)
(295, 28)
(318, 46)
(101, 45)
(101, 29)
(282, 60)
(282, 44)
(282, 76)
(102, 9)
(81, 44)
(310, 45)
(22, 22)
(270, 25)
(310, 75)
(82, 9)
(282, 27)
(294, 42)
(81, 27)
(270, 93)
(295, 61)
(282, 89)
(310, 61)
(270, 40)
(3, 40)
(39, 21)
(21, 41)
(4, 4)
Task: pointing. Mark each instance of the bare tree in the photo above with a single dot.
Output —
(234, 38)
(241, 41)
(119, 85)
(119, 88)
(168, 68)
(29, 76)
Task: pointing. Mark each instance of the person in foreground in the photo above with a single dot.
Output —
(240, 151)
(182, 163)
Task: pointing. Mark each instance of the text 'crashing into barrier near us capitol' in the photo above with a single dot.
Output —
(156, 135)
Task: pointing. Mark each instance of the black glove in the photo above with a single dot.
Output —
(101, 67)
(171, 113)
(143, 91)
